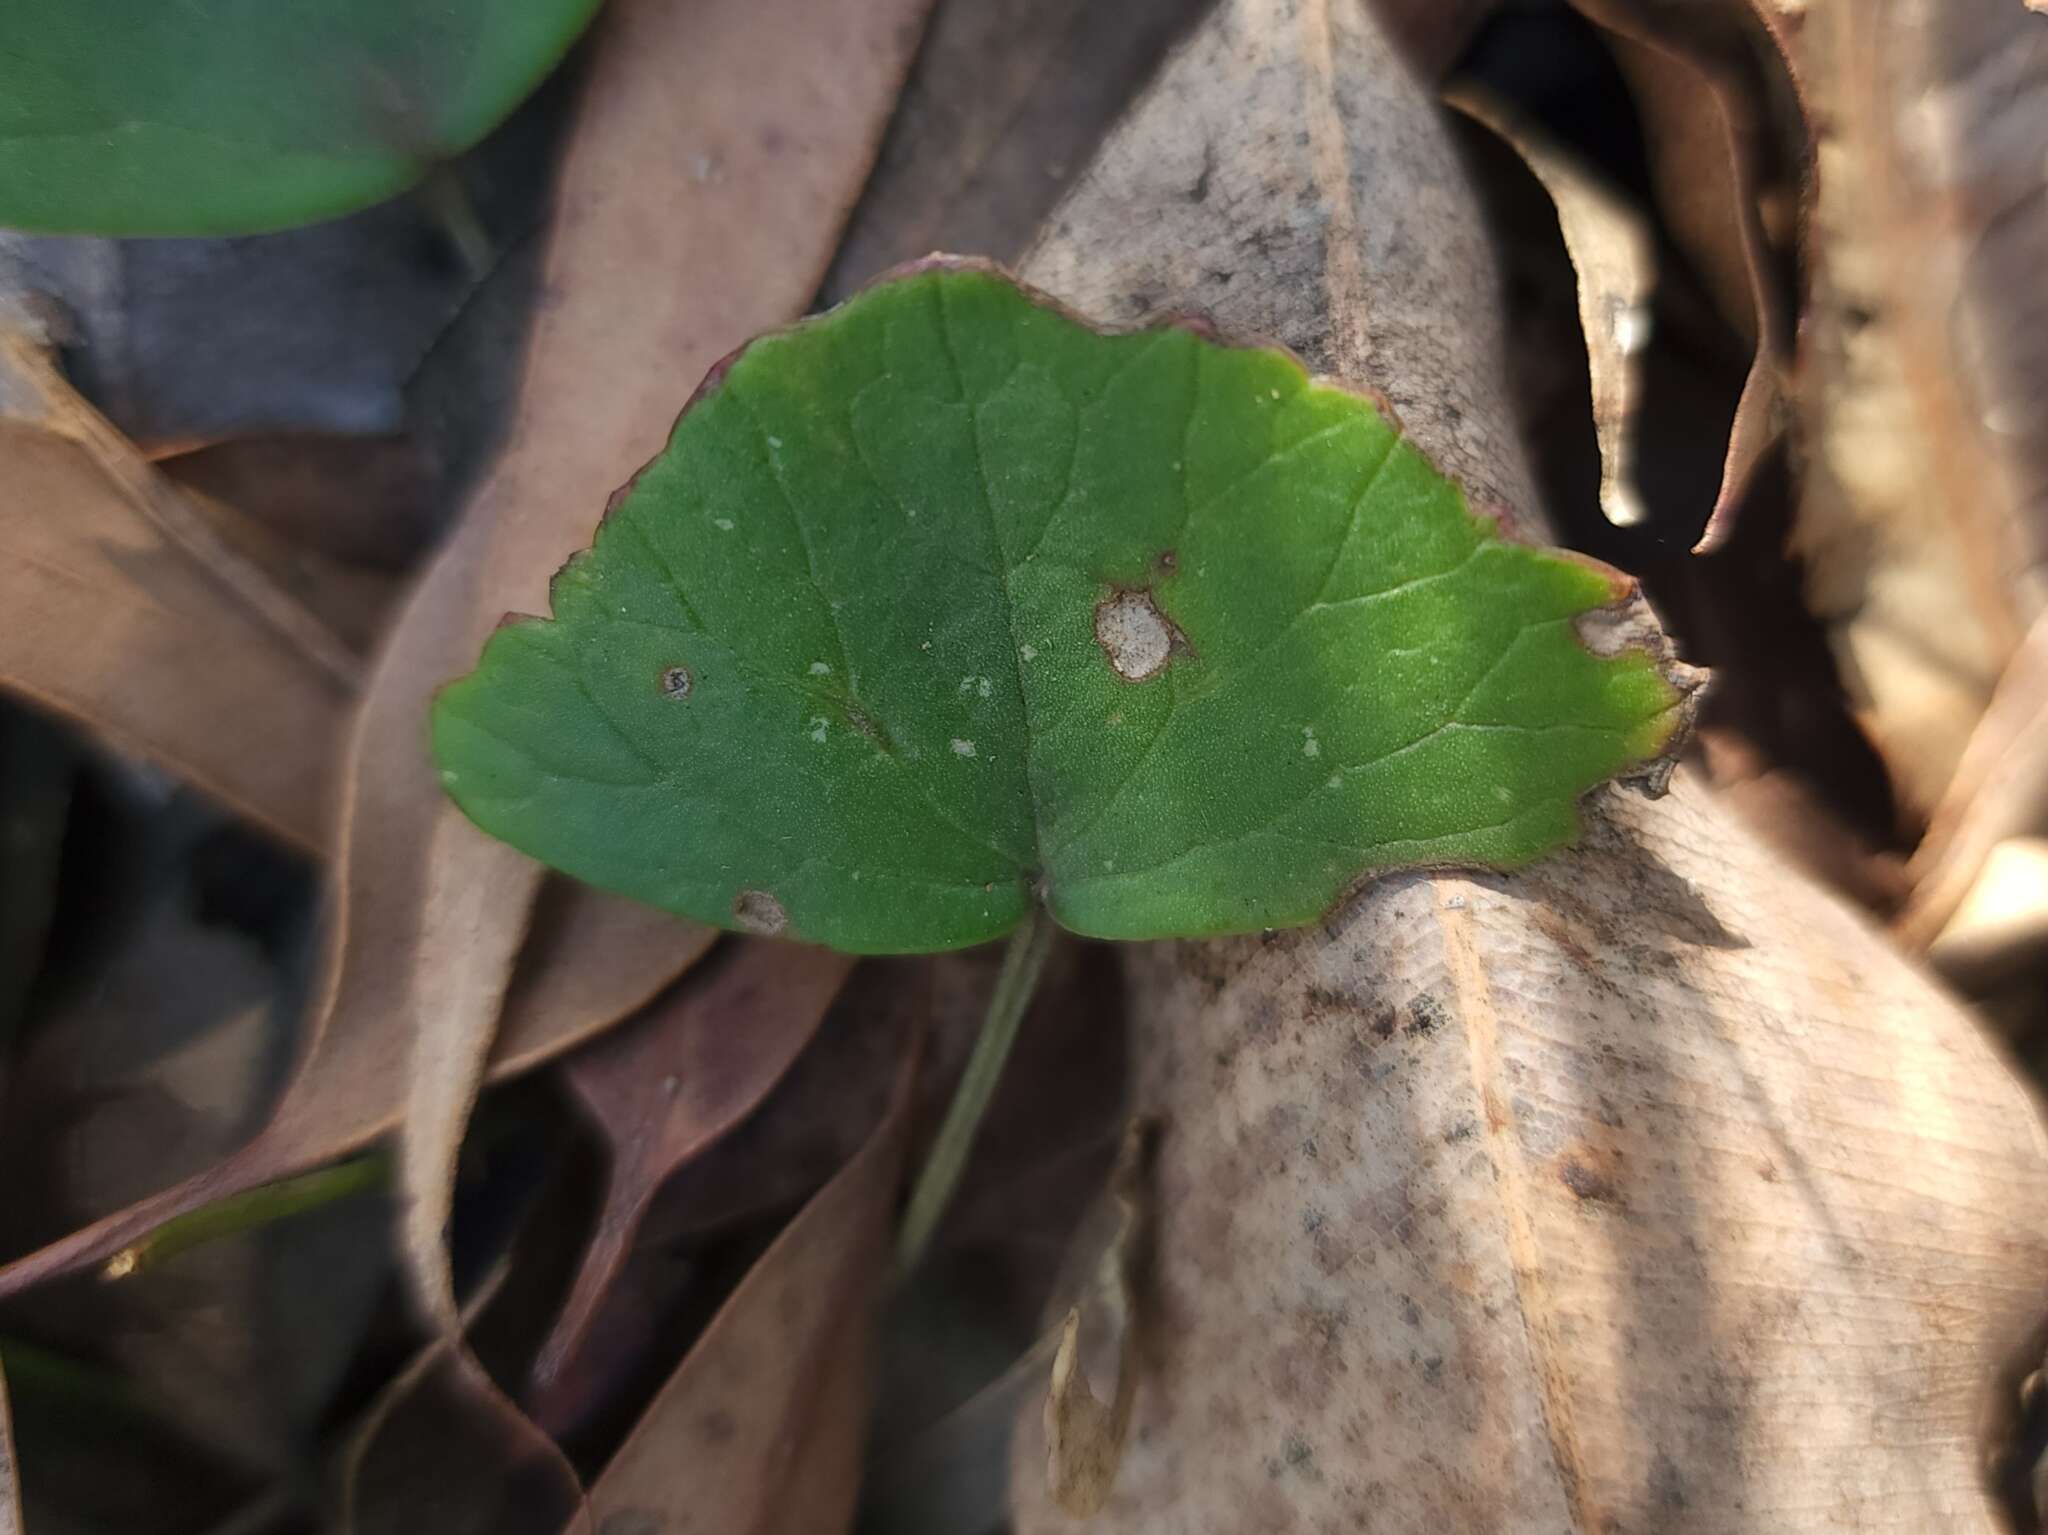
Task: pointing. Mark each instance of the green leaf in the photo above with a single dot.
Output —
(148, 117)
(945, 602)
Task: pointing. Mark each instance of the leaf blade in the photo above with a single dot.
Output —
(1235, 648)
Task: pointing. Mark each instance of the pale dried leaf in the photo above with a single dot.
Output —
(1614, 254)
(127, 612)
(761, 1426)
(1998, 792)
(468, 942)
(1084, 1436)
(2001, 928)
(1923, 520)
(1696, 86)
(1630, 1191)
(689, 219)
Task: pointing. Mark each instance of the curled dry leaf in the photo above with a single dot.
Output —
(761, 1426)
(688, 219)
(1555, 1200)
(666, 1086)
(130, 613)
(1705, 108)
(1923, 520)
(1998, 793)
(1615, 256)
(1084, 1437)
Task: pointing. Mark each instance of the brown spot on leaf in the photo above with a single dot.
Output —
(757, 911)
(676, 682)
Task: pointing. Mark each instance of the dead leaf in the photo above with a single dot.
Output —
(129, 613)
(761, 1426)
(1084, 1437)
(949, 1476)
(1549, 1201)
(750, 205)
(1705, 109)
(1923, 519)
(1004, 102)
(607, 956)
(1997, 793)
(666, 1086)
(369, 502)
(10, 1485)
(432, 1439)
(351, 600)
(346, 1091)
(2001, 928)
(1614, 254)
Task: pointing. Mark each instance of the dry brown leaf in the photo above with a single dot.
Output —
(1924, 358)
(1003, 104)
(1697, 88)
(350, 1082)
(1084, 1436)
(761, 1426)
(1998, 792)
(364, 501)
(688, 220)
(423, 1443)
(1614, 254)
(128, 612)
(666, 1086)
(2001, 929)
(1647, 1189)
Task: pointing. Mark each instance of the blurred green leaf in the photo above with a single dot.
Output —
(138, 117)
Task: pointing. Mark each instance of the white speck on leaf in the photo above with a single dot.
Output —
(1310, 746)
(820, 669)
(962, 748)
(723, 524)
(756, 911)
(1134, 634)
(818, 728)
(775, 442)
(1027, 652)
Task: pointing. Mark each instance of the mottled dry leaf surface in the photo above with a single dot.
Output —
(762, 1425)
(1648, 1189)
